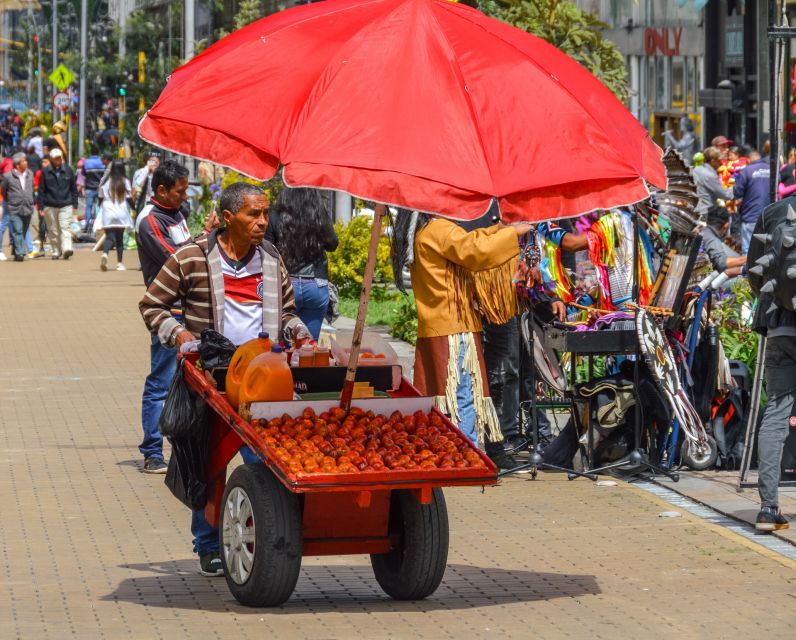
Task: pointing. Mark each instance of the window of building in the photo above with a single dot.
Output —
(678, 83)
(661, 80)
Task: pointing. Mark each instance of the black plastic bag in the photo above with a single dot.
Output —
(185, 422)
(183, 409)
(186, 475)
(215, 350)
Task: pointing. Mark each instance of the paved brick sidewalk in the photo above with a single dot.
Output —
(92, 548)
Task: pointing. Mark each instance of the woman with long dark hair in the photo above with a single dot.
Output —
(114, 216)
(301, 229)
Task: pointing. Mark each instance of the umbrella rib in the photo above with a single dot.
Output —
(462, 14)
(304, 113)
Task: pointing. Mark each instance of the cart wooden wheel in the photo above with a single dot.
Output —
(413, 568)
(261, 537)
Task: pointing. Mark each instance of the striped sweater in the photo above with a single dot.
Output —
(193, 276)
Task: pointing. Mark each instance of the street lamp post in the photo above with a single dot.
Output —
(55, 37)
(83, 91)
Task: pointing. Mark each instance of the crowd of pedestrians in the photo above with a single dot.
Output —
(47, 204)
(738, 180)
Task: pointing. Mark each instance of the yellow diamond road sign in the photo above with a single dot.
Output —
(62, 77)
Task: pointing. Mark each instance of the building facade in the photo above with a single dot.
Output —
(704, 59)
(664, 48)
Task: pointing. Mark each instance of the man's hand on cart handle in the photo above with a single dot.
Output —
(559, 310)
(183, 336)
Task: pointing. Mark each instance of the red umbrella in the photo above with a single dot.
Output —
(425, 104)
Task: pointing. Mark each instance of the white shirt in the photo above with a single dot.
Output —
(243, 298)
(22, 177)
(139, 178)
(114, 214)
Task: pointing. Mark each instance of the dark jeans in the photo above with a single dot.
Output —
(163, 364)
(502, 359)
(205, 535)
(780, 362)
(508, 371)
(19, 232)
(114, 236)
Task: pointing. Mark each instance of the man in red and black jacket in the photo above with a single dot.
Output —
(160, 229)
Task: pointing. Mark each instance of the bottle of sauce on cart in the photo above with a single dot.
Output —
(243, 356)
(267, 378)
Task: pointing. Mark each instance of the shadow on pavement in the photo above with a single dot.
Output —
(350, 589)
(138, 463)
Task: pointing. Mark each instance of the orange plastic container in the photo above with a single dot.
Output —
(267, 379)
(241, 359)
(306, 356)
(322, 355)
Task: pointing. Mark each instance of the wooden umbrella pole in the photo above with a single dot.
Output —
(359, 327)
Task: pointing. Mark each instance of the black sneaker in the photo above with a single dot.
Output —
(210, 565)
(771, 519)
(514, 443)
(68, 254)
(155, 465)
(503, 459)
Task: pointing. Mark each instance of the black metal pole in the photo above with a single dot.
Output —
(773, 135)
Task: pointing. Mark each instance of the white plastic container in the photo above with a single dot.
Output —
(372, 343)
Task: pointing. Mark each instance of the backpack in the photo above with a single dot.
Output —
(777, 266)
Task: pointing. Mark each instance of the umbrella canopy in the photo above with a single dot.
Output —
(425, 104)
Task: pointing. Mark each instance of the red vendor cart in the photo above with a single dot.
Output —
(269, 517)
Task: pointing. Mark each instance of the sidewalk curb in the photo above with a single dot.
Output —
(673, 487)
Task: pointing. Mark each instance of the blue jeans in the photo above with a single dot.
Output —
(91, 203)
(747, 229)
(312, 299)
(205, 536)
(465, 402)
(163, 364)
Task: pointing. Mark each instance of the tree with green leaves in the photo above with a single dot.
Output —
(577, 33)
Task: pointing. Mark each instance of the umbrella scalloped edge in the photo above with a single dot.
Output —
(390, 188)
(216, 146)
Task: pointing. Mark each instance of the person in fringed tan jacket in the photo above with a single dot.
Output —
(457, 278)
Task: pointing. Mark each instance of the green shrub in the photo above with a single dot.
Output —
(735, 330)
(403, 324)
(347, 263)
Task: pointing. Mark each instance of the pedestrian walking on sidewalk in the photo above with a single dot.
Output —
(114, 216)
(17, 190)
(58, 198)
(38, 222)
(93, 170)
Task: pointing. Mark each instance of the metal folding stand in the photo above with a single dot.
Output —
(535, 459)
(638, 458)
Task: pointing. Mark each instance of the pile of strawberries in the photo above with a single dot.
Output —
(340, 442)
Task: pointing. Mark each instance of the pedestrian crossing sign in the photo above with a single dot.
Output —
(62, 77)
